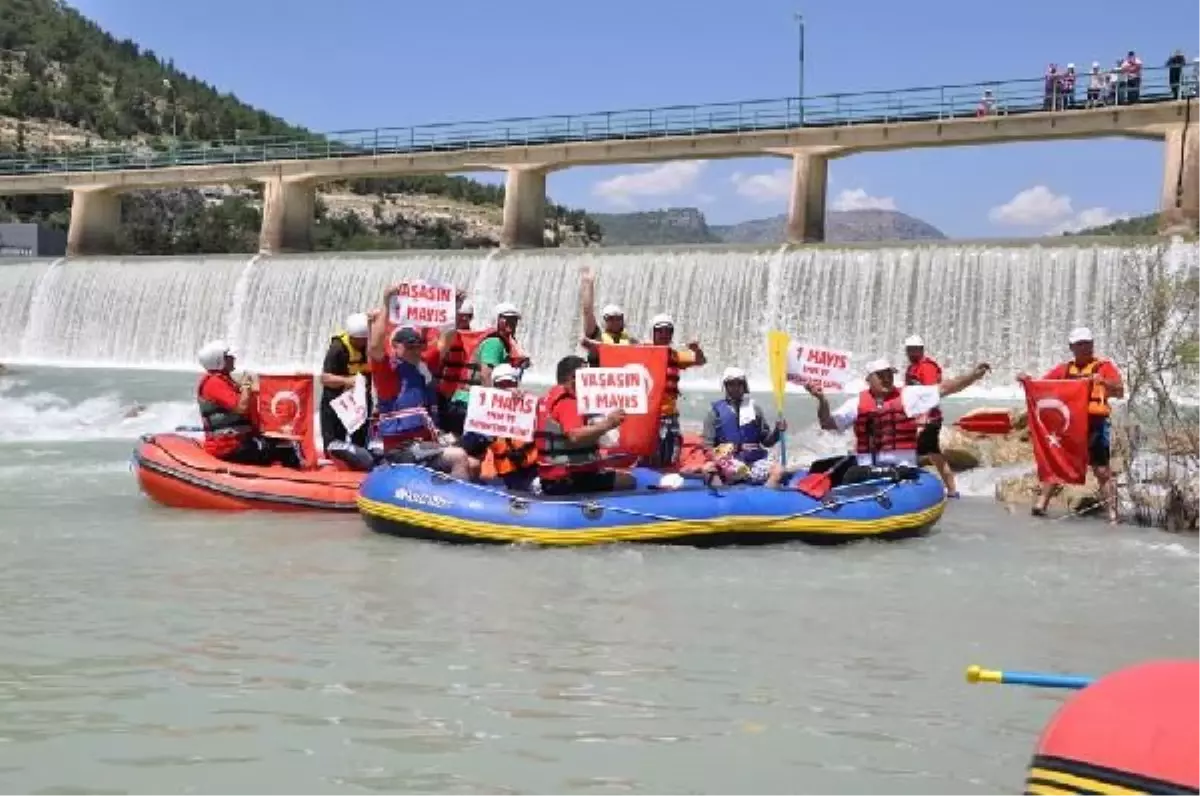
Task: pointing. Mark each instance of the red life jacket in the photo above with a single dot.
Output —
(224, 429)
(558, 457)
(457, 365)
(910, 378)
(882, 426)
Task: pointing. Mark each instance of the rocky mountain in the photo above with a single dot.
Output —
(655, 227)
(683, 225)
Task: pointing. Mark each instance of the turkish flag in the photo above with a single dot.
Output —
(639, 433)
(284, 410)
(1058, 427)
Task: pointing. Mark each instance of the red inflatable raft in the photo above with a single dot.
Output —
(1135, 731)
(175, 471)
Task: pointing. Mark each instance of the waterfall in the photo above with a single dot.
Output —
(1011, 305)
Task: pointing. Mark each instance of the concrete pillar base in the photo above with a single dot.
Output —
(806, 207)
(289, 207)
(95, 218)
(1179, 204)
(524, 224)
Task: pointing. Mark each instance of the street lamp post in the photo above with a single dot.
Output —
(171, 98)
(800, 31)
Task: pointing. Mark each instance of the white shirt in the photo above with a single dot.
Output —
(916, 400)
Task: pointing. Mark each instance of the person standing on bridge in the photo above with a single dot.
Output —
(613, 333)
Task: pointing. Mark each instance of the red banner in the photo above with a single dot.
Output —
(284, 410)
(639, 433)
(1058, 427)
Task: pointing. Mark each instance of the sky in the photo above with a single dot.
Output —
(359, 64)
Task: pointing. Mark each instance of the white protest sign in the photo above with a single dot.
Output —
(419, 303)
(599, 391)
(500, 413)
(826, 368)
(351, 405)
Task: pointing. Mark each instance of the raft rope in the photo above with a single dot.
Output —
(586, 505)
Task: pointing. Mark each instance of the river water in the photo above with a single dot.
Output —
(153, 650)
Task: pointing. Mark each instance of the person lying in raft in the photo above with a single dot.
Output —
(884, 417)
(225, 414)
(407, 402)
(515, 461)
(569, 459)
(738, 437)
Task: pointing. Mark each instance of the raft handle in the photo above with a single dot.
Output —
(592, 510)
(518, 505)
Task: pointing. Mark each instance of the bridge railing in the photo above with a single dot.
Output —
(1009, 97)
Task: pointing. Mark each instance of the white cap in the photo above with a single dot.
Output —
(876, 365)
(506, 373)
(1095, 64)
(914, 341)
(612, 311)
(212, 355)
(466, 308)
(662, 319)
(504, 308)
(1070, 66)
(357, 325)
(1080, 334)
(733, 374)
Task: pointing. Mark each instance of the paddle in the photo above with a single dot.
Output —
(977, 674)
(819, 480)
(777, 348)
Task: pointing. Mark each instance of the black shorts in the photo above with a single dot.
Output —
(451, 416)
(581, 483)
(1099, 441)
(928, 441)
(670, 440)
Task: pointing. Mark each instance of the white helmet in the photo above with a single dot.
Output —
(357, 325)
(662, 320)
(467, 308)
(212, 355)
(733, 374)
(504, 308)
(506, 373)
(914, 341)
(612, 311)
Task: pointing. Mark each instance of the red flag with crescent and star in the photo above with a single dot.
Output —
(1058, 428)
(284, 410)
(639, 433)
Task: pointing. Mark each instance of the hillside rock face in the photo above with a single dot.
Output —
(684, 225)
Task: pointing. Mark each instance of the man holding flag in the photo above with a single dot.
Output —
(1063, 445)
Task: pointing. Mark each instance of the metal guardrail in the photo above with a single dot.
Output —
(1009, 98)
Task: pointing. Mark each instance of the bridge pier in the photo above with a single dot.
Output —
(95, 218)
(289, 207)
(524, 225)
(806, 207)
(1179, 205)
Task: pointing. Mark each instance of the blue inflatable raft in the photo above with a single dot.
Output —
(412, 501)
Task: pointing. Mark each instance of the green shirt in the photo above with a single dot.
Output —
(491, 352)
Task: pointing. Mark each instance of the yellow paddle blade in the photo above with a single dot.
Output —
(777, 353)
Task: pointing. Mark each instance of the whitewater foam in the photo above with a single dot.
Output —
(46, 417)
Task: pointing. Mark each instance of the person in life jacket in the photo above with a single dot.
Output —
(613, 333)
(498, 347)
(670, 436)
(407, 402)
(225, 414)
(923, 370)
(453, 363)
(1106, 383)
(738, 436)
(345, 360)
(884, 417)
(568, 448)
(515, 460)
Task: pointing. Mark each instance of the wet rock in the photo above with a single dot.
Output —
(1077, 498)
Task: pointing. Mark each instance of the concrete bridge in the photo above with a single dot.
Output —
(810, 132)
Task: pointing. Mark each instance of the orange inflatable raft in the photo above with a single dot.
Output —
(175, 471)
